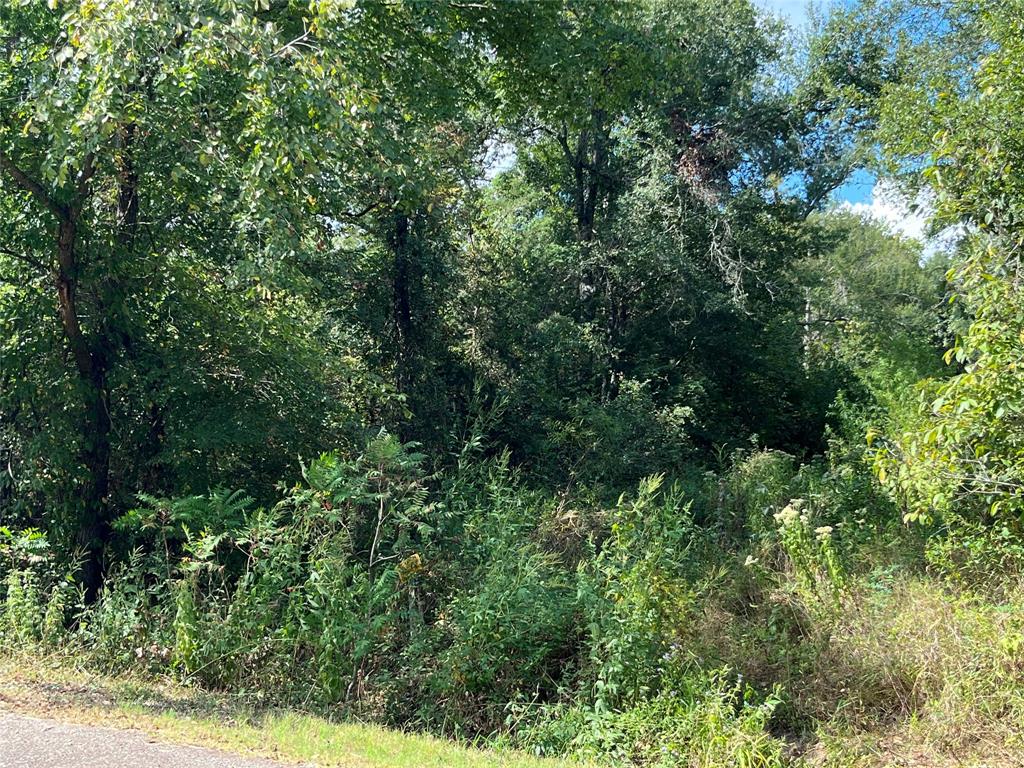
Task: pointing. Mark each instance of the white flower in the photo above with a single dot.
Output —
(751, 560)
(788, 514)
(823, 532)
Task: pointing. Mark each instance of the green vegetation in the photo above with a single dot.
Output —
(505, 373)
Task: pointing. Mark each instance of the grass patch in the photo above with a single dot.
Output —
(905, 671)
(180, 715)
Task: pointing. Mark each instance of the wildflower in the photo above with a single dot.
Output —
(751, 560)
(823, 532)
(788, 514)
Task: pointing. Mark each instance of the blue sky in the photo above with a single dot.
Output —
(863, 193)
(860, 188)
(795, 10)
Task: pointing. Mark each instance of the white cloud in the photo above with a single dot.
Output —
(904, 217)
(889, 206)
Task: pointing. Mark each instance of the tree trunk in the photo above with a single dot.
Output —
(93, 531)
(597, 290)
(94, 525)
(399, 241)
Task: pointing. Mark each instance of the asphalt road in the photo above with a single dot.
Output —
(28, 742)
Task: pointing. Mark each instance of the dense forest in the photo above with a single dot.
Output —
(509, 370)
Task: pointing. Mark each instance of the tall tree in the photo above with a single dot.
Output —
(640, 244)
(143, 133)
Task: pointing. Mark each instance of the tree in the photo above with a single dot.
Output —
(963, 450)
(144, 138)
(873, 302)
(191, 175)
(628, 279)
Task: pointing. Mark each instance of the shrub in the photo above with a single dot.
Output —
(637, 592)
(37, 597)
(130, 624)
(702, 720)
(752, 489)
(976, 555)
(509, 635)
(22, 609)
(614, 442)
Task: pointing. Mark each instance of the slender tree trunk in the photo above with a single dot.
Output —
(400, 243)
(152, 477)
(589, 164)
(152, 471)
(93, 531)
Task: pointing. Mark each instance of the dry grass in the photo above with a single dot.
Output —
(907, 674)
(950, 666)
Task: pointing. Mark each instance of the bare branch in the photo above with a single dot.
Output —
(354, 215)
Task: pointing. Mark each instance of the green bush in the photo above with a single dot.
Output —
(131, 624)
(614, 442)
(704, 720)
(811, 553)
(469, 603)
(38, 598)
(754, 487)
(638, 592)
(977, 555)
(510, 635)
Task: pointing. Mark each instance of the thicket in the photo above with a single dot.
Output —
(503, 370)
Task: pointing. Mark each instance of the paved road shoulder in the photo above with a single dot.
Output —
(31, 742)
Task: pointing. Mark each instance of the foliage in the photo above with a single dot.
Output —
(506, 371)
(636, 594)
(961, 454)
(810, 550)
(700, 721)
(37, 597)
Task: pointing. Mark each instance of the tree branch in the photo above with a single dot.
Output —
(33, 187)
(82, 185)
(23, 257)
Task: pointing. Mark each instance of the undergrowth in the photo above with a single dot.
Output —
(468, 605)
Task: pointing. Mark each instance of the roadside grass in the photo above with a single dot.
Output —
(925, 672)
(904, 672)
(49, 687)
(926, 677)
